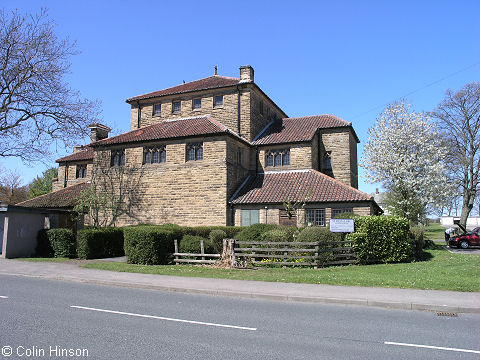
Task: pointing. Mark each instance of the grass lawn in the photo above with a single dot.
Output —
(435, 232)
(40, 259)
(442, 271)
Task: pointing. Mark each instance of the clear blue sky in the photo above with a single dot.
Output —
(347, 58)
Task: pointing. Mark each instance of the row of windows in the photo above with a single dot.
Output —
(158, 154)
(196, 104)
(313, 217)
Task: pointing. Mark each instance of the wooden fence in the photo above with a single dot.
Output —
(201, 258)
(314, 254)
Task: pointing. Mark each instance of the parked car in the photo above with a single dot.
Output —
(466, 240)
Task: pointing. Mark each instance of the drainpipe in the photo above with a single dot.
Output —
(139, 114)
(66, 175)
(238, 112)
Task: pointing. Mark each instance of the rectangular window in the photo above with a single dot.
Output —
(327, 161)
(277, 158)
(218, 101)
(154, 155)
(197, 103)
(81, 171)
(117, 158)
(250, 217)
(336, 212)
(315, 217)
(157, 109)
(177, 106)
(194, 152)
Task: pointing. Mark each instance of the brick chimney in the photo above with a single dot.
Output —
(77, 148)
(246, 73)
(98, 132)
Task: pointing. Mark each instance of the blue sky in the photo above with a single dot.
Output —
(346, 58)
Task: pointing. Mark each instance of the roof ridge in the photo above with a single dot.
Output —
(53, 192)
(285, 171)
(340, 183)
(311, 116)
(180, 119)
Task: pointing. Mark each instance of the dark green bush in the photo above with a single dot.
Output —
(190, 244)
(95, 243)
(417, 240)
(44, 248)
(204, 231)
(148, 245)
(383, 239)
(62, 242)
(216, 237)
(280, 234)
(254, 232)
(315, 233)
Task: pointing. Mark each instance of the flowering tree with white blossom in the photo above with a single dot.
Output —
(406, 154)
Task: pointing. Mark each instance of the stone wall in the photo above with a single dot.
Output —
(71, 172)
(300, 157)
(184, 192)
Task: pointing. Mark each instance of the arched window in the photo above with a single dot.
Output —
(277, 158)
(194, 152)
(154, 155)
(117, 157)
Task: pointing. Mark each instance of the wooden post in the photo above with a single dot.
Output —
(202, 249)
(285, 254)
(176, 251)
(316, 256)
(231, 248)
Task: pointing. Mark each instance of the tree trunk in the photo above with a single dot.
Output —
(467, 206)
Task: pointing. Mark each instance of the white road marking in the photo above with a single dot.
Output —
(3, 297)
(164, 318)
(432, 347)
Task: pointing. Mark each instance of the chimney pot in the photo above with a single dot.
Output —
(246, 73)
(216, 70)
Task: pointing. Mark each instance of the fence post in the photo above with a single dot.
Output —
(202, 249)
(231, 248)
(316, 257)
(176, 251)
(285, 254)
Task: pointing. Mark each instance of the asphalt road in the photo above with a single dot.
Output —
(43, 319)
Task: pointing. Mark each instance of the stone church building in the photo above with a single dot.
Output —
(218, 151)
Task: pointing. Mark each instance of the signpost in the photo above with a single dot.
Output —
(342, 225)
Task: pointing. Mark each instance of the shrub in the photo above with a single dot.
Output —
(62, 242)
(280, 234)
(254, 232)
(190, 244)
(95, 243)
(216, 237)
(384, 239)
(417, 240)
(44, 248)
(148, 245)
(321, 234)
(204, 231)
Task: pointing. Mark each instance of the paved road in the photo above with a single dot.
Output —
(120, 323)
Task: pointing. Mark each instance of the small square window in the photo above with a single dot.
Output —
(218, 100)
(157, 109)
(177, 106)
(197, 103)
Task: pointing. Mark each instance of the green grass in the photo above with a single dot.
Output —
(435, 232)
(40, 259)
(442, 271)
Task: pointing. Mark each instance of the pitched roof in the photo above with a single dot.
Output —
(296, 185)
(65, 198)
(298, 129)
(86, 153)
(168, 129)
(211, 82)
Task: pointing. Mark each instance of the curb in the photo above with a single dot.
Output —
(272, 297)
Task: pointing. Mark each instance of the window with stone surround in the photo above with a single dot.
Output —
(218, 101)
(117, 157)
(176, 106)
(327, 161)
(197, 103)
(154, 155)
(81, 171)
(314, 217)
(157, 109)
(336, 212)
(194, 152)
(277, 158)
(250, 217)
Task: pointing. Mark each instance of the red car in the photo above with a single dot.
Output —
(466, 240)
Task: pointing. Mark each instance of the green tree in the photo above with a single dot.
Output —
(42, 184)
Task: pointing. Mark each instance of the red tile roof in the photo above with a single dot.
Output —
(84, 154)
(298, 129)
(65, 198)
(212, 82)
(168, 129)
(296, 185)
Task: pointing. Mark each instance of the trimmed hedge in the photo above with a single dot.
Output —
(216, 237)
(148, 245)
(417, 240)
(381, 239)
(254, 232)
(96, 243)
(315, 233)
(62, 242)
(190, 244)
(204, 231)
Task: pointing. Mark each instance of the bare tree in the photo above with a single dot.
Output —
(11, 189)
(459, 117)
(37, 107)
